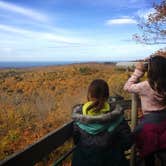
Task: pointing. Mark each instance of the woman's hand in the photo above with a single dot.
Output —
(140, 66)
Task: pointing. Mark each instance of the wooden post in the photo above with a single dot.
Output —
(134, 106)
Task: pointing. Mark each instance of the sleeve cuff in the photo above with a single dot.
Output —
(138, 73)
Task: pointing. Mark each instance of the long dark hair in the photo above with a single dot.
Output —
(98, 92)
(157, 76)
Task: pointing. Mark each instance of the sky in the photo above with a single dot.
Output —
(72, 30)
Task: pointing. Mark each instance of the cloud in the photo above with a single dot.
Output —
(6, 49)
(23, 11)
(121, 21)
(129, 51)
(13, 29)
(39, 35)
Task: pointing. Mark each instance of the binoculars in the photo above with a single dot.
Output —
(146, 65)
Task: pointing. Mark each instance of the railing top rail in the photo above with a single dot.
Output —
(41, 148)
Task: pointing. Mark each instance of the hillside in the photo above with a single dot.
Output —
(35, 101)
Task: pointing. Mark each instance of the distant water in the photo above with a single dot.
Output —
(32, 64)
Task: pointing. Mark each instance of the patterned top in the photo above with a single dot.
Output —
(150, 99)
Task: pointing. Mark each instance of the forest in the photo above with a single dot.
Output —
(35, 101)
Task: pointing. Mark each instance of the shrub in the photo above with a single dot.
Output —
(84, 70)
(116, 83)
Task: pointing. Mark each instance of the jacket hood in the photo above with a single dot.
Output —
(99, 123)
(92, 112)
(77, 115)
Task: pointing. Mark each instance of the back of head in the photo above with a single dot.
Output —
(98, 89)
(98, 92)
(157, 75)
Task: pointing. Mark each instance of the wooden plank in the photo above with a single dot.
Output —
(41, 148)
(60, 160)
(134, 111)
(134, 117)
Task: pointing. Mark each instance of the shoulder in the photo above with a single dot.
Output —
(143, 87)
(140, 87)
(77, 115)
(144, 83)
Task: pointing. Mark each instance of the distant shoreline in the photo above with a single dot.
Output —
(38, 64)
(21, 64)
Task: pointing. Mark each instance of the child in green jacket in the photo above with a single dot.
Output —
(100, 131)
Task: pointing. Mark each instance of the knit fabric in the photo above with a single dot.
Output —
(150, 100)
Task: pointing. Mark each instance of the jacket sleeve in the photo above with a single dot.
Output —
(124, 135)
(132, 84)
(76, 133)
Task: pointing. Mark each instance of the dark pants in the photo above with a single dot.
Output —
(84, 156)
(150, 159)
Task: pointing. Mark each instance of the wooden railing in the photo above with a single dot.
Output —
(134, 118)
(37, 151)
(42, 148)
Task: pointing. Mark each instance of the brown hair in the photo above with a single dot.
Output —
(98, 92)
(157, 76)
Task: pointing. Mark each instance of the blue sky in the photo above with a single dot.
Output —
(72, 30)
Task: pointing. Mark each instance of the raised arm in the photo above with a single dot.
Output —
(132, 84)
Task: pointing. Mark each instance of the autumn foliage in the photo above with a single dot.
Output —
(36, 101)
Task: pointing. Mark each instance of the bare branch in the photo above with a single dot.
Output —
(154, 28)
